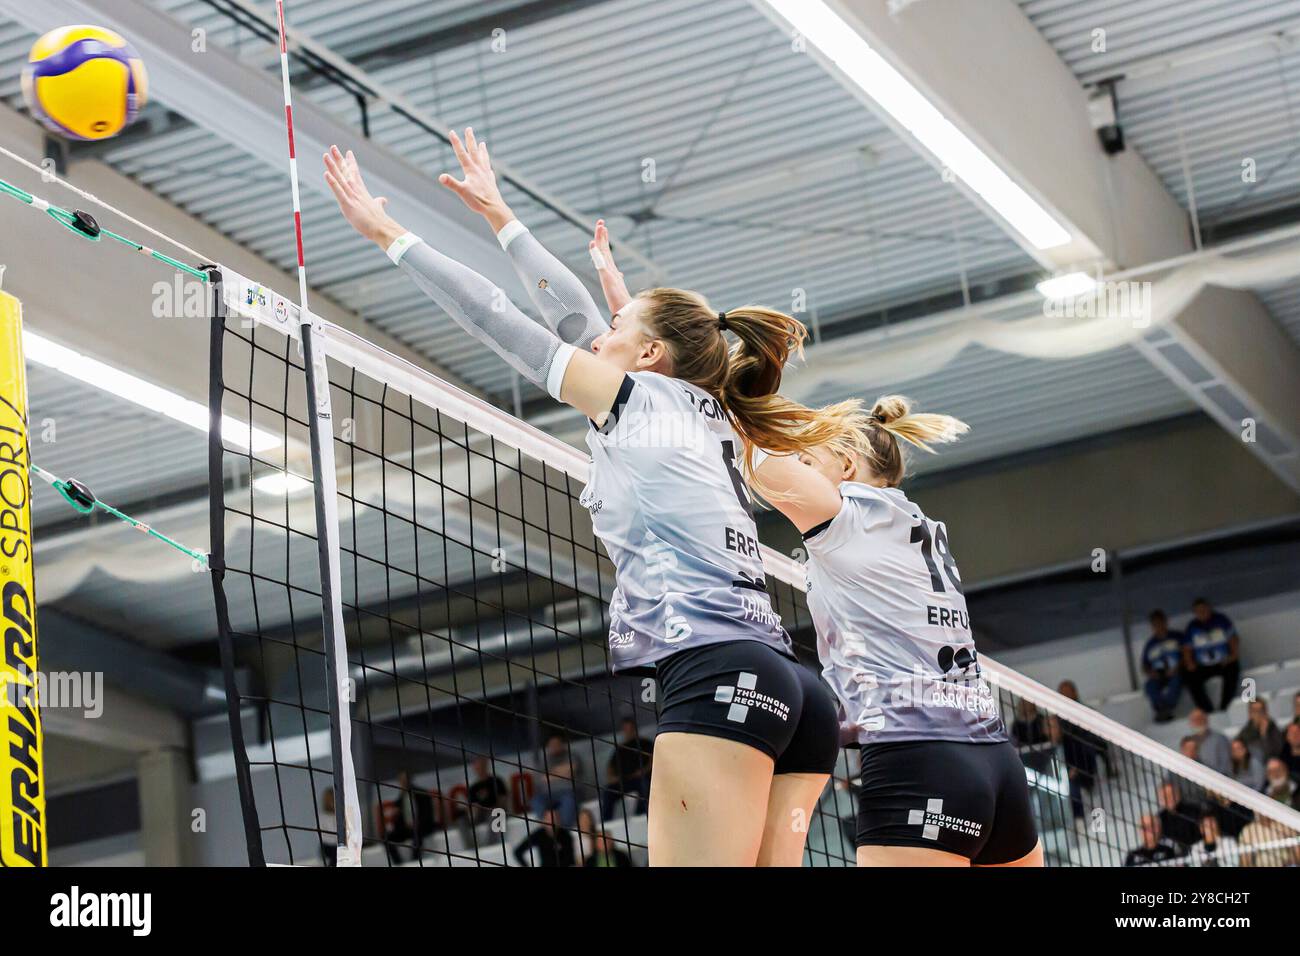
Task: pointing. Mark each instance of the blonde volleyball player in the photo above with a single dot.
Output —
(747, 737)
(941, 784)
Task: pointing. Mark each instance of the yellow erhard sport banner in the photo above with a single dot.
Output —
(22, 789)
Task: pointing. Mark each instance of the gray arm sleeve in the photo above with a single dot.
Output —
(482, 310)
(565, 304)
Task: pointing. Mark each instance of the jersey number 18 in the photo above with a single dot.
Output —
(921, 535)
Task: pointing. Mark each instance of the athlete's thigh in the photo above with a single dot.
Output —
(1033, 858)
(727, 713)
(708, 801)
(791, 803)
(802, 771)
(908, 856)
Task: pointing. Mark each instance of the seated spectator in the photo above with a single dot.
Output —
(1030, 727)
(1155, 848)
(547, 845)
(1213, 749)
(1247, 765)
(1232, 817)
(1162, 661)
(1081, 749)
(1291, 751)
(556, 791)
(1210, 649)
(396, 828)
(1295, 708)
(595, 847)
(628, 771)
(1253, 845)
(1031, 734)
(419, 803)
(588, 827)
(1178, 816)
(607, 853)
(1278, 784)
(1214, 849)
(1260, 732)
(406, 819)
(486, 791)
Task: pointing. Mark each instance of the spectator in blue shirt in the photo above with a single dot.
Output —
(1162, 659)
(1210, 649)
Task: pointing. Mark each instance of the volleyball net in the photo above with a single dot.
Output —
(484, 725)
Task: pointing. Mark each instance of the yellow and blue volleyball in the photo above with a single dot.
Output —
(84, 82)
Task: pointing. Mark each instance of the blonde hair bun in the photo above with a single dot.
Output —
(890, 408)
(894, 414)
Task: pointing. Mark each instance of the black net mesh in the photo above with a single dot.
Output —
(1099, 803)
(268, 593)
(487, 729)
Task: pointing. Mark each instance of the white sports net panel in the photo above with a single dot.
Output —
(487, 729)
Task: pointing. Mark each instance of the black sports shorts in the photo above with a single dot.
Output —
(968, 799)
(751, 693)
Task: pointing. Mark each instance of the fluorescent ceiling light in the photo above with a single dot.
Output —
(126, 386)
(867, 69)
(281, 483)
(1066, 286)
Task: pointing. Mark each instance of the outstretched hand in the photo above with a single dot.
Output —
(478, 190)
(611, 280)
(365, 213)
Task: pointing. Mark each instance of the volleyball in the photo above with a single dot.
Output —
(84, 82)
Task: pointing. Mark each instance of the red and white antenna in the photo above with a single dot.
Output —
(293, 161)
(348, 820)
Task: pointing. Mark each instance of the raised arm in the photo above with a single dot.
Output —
(799, 492)
(565, 305)
(575, 377)
(612, 282)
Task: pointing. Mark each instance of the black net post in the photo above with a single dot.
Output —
(217, 569)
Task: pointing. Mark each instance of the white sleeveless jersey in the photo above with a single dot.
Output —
(667, 500)
(893, 633)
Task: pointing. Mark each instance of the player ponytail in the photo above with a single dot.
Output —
(876, 436)
(743, 375)
(766, 339)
